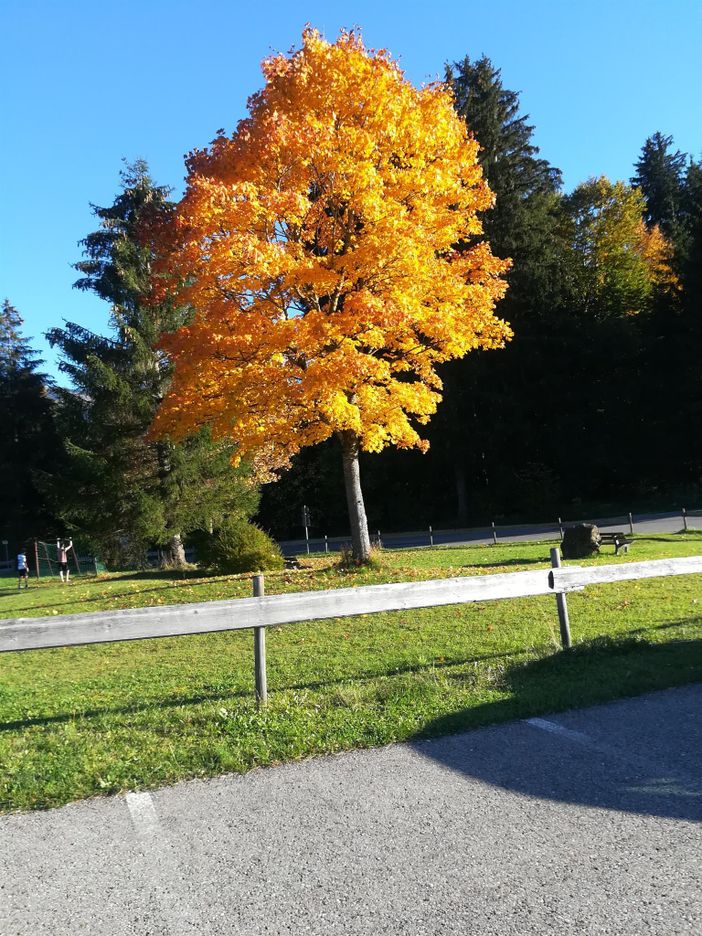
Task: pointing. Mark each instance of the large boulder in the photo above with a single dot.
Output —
(580, 541)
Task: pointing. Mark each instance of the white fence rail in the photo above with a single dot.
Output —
(261, 612)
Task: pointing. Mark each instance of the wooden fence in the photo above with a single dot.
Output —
(260, 611)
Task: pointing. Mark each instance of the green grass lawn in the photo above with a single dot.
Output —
(80, 721)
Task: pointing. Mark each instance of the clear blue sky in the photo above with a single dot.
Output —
(86, 83)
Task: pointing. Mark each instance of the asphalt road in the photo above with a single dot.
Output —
(581, 823)
(515, 533)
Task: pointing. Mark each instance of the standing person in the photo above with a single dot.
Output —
(22, 569)
(62, 549)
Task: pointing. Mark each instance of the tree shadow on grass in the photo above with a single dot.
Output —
(668, 625)
(641, 756)
(541, 560)
(175, 575)
(73, 600)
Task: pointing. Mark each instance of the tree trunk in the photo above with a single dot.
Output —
(175, 555)
(360, 540)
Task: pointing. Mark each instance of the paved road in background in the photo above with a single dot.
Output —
(516, 533)
(581, 823)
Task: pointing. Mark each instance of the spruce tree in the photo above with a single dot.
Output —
(525, 222)
(508, 155)
(126, 491)
(684, 377)
(660, 174)
(485, 399)
(692, 261)
(15, 351)
(30, 444)
(666, 178)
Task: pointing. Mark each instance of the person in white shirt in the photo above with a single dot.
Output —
(22, 570)
(62, 549)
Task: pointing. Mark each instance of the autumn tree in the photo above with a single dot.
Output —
(621, 262)
(316, 246)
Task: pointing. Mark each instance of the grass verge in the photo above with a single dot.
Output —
(80, 721)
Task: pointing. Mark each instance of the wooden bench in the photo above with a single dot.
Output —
(618, 540)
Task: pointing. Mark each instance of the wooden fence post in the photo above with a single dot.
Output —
(259, 591)
(561, 603)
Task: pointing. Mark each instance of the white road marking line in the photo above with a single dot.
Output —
(656, 779)
(143, 813)
(161, 873)
(555, 728)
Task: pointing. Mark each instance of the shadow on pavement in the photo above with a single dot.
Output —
(640, 755)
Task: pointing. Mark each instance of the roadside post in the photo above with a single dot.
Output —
(563, 620)
(306, 524)
(631, 524)
(259, 591)
(684, 518)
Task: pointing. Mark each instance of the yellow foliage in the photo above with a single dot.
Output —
(657, 252)
(316, 246)
(625, 261)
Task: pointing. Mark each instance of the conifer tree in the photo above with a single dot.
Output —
(15, 351)
(483, 392)
(508, 155)
(30, 444)
(125, 490)
(692, 261)
(660, 174)
(684, 380)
